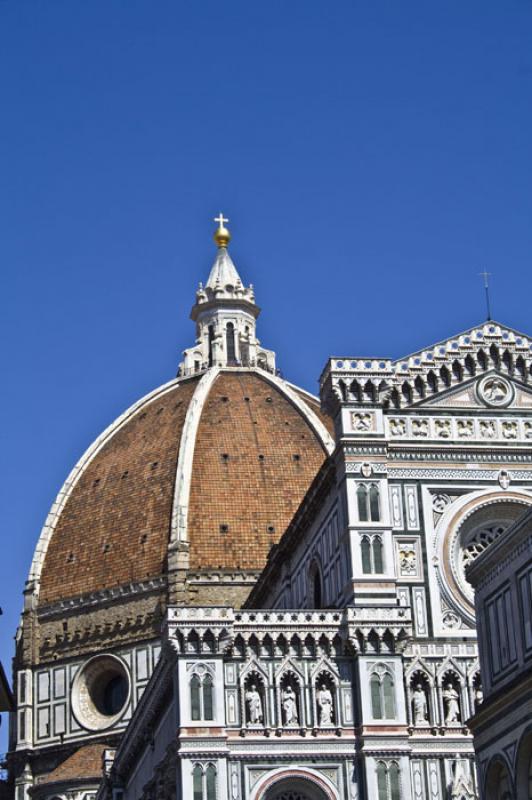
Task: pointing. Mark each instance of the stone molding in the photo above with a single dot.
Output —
(101, 598)
(179, 519)
(217, 627)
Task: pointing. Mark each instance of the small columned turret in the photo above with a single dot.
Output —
(225, 314)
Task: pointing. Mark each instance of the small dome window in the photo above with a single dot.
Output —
(100, 692)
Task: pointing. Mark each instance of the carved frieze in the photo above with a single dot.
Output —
(458, 429)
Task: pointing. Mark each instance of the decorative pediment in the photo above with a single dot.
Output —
(253, 667)
(450, 665)
(489, 366)
(324, 665)
(288, 666)
(491, 391)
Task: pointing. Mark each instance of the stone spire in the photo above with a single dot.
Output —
(225, 314)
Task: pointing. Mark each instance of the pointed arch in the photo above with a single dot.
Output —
(495, 355)
(432, 381)
(374, 503)
(365, 551)
(362, 502)
(230, 344)
(470, 365)
(377, 551)
(419, 385)
(445, 375)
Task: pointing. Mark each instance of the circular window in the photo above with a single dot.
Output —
(100, 692)
(465, 535)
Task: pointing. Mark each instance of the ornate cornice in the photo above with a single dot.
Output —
(435, 371)
(213, 630)
(101, 598)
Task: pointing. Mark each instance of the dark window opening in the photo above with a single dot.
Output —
(211, 339)
(230, 339)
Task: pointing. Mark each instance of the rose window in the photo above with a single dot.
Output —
(479, 541)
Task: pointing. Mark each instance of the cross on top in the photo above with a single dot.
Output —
(485, 275)
(221, 219)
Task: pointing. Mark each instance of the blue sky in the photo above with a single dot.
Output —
(373, 158)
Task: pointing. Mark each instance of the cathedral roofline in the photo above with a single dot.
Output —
(490, 347)
(303, 402)
(442, 342)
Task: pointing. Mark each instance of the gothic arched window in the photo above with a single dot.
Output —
(315, 590)
(393, 779)
(195, 702)
(201, 697)
(204, 782)
(388, 781)
(382, 695)
(368, 502)
(210, 782)
(365, 550)
(374, 503)
(376, 552)
(388, 696)
(197, 783)
(382, 782)
(376, 697)
(371, 551)
(230, 340)
(362, 501)
(207, 698)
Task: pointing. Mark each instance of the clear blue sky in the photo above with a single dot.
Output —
(373, 157)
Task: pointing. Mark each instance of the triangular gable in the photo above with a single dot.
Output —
(467, 396)
(447, 373)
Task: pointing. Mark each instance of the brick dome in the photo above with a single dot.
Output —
(212, 466)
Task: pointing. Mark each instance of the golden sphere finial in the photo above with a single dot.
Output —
(222, 237)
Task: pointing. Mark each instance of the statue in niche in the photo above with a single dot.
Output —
(289, 702)
(479, 698)
(325, 705)
(451, 703)
(419, 705)
(254, 705)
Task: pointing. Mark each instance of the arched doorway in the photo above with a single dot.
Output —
(498, 782)
(294, 789)
(295, 784)
(523, 777)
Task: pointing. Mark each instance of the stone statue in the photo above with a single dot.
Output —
(419, 705)
(452, 707)
(325, 705)
(254, 705)
(290, 706)
(479, 698)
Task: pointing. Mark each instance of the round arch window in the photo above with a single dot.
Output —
(466, 535)
(100, 692)
(295, 789)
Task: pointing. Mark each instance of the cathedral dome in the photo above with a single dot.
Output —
(202, 475)
(218, 463)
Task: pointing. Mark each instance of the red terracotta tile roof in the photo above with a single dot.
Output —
(84, 763)
(255, 457)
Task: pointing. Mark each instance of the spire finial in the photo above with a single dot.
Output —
(485, 275)
(222, 237)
